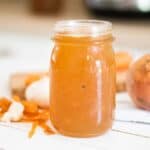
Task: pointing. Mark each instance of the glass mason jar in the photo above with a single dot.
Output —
(82, 74)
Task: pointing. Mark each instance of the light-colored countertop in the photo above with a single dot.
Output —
(128, 34)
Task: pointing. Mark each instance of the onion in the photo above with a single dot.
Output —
(138, 82)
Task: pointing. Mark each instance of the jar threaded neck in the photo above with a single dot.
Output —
(82, 28)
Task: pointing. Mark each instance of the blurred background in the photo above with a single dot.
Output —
(27, 24)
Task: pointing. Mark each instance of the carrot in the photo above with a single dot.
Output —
(30, 107)
(46, 128)
(33, 129)
(4, 105)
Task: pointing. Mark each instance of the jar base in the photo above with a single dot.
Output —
(76, 135)
(99, 132)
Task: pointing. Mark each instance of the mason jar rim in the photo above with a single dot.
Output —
(82, 27)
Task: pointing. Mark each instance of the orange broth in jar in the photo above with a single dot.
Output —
(82, 73)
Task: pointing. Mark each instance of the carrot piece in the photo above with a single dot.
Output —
(30, 107)
(42, 115)
(46, 128)
(33, 129)
(4, 105)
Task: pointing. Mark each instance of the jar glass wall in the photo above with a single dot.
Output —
(82, 73)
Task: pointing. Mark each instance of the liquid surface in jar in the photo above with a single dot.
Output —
(82, 95)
